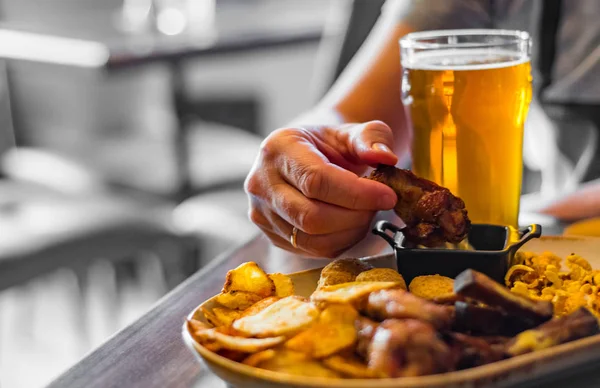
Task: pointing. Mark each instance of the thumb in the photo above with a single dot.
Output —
(373, 143)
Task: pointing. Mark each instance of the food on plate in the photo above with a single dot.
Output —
(333, 332)
(293, 363)
(250, 278)
(363, 323)
(342, 271)
(283, 285)
(237, 300)
(381, 275)
(284, 317)
(432, 214)
(541, 277)
(432, 287)
(581, 323)
(475, 285)
(484, 320)
(353, 292)
(402, 304)
(408, 347)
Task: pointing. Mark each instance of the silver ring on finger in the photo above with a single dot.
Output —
(293, 237)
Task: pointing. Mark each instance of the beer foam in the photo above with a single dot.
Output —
(464, 59)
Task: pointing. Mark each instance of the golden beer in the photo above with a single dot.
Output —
(467, 109)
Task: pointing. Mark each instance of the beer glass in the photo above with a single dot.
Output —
(466, 94)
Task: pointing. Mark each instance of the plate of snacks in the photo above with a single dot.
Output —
(359, 323)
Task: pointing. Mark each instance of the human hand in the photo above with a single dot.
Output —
(310, 178)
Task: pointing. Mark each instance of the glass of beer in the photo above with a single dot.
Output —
(467, 94)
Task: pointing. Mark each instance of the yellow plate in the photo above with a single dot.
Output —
(589, 227)
(511, 371)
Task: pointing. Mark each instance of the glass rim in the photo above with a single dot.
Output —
(413, 40)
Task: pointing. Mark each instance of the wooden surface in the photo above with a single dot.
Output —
(151, 353)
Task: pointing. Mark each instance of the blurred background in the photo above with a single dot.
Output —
(126, 130)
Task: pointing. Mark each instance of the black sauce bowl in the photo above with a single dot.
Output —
(494, 249)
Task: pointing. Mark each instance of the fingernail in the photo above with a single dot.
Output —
(382, 147)
(387, 201)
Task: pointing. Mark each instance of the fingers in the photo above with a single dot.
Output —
(305, 168)
(320, 245)
(315, 217)
(373, 143)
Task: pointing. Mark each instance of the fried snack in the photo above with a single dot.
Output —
(381, 275)
(365, 330)
(294, 363)
(432, 287)
(351, 292)
(341, 271)
(260, 357)
(401, 304)
(433, 216)
(332, 333)
(258, 306)
(349, 365)
(408, 347)
(231, 342)
(221, 316)
(474, 351)
(475, 285)
(582, 323)
(286, 316)
(283, 284)
(237, 300)
(540, 277)
(249, 277)
(488, 320)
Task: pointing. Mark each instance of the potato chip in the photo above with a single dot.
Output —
(296, 363)
(237, 300)
(351, 366)
(284, 317)
(196, 325)
(257, 358)
(283, 284)
(333, 332)
(259, 306)
(382, 275)
(249, 277)
(349, 292)
(432, 287)
(241, 344)
(341, 271)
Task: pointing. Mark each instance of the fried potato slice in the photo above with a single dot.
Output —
(237, 300)
(195, 325)
(432, 287)
(241, 344)
(341, 271)
(283, 284)
(286, 316)
(349, 292)
(249, 277)
(382, 275)
(221, 316)
(351, 366)
(333, 332)
(260, 357)
(259, 306)
(295, 363)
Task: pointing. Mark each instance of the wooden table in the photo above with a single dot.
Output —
(151, 353)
